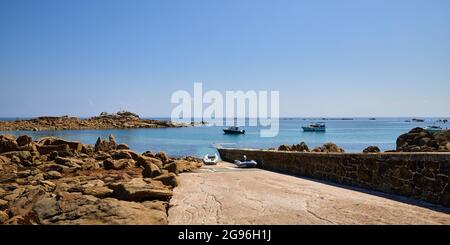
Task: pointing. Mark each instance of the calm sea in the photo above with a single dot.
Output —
(352, 135)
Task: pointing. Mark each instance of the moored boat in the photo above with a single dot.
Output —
(433, 129)
(233, 130)
(314, 127)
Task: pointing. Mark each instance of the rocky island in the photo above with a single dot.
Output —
(119, 120)
(55, 181)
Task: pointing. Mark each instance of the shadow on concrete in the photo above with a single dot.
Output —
(394, 197)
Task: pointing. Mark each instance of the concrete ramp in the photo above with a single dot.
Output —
(224, 195)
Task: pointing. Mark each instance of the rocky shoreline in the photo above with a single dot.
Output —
(416, 140)
(54, 181)
(119, 120)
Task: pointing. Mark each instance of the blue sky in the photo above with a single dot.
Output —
(327, 58)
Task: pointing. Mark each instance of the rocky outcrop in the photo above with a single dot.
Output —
(76, 208)
(420, 140)
(372, 149)
(120, 120)
(8, 143)
(328, 147)
(302, 147)
(55, 181)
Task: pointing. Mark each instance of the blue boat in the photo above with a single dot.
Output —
(314, 127)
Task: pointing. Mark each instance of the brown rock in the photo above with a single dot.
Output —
(23, 201)
(371, 149)
(3, 217)
(75, 208)
(139, 190)
(112, 142)
(3, 204)
(121, 155)
(149, 154)
(8, 143)
(122, 147)
(87, 149)
(331, 147)
(101, 156)
(18, 220)
(101, 145)
(302, 147)
(118, 164)
(73, 145)
(420, 140)
(97, 191)
(151, 170)
(22, 155)
(69, 162)
(163, 157)
(53, 175)
(46, 149)
(24, 140)
(169, 179)
(284, 148)
(144, 160)
(171, 167)
(182, 165)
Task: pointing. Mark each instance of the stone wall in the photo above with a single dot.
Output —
(418, 175)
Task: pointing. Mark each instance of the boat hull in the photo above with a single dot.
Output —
(227, 131)
(246, 164)
(309, 129)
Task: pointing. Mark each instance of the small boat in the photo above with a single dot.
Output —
(314, 127)
(433, 129)
(417, 120)
(233, 130)
(246, 163)
(211, 159)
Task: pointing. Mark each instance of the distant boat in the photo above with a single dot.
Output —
(211, 159)
(433, 129)
(417, 120)
(373, 118)
(233, 130)
(314, 127)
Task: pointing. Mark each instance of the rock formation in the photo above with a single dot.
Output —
(372, 149)
(55, 181)
(120, 120)
(420, 140)
(328, 147)
(302, 147)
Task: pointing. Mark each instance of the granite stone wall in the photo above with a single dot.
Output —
(422, 176)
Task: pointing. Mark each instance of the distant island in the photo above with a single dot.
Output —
(119, 120)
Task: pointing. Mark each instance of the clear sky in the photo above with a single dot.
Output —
(327, 58)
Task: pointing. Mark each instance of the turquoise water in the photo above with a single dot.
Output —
(352, 135)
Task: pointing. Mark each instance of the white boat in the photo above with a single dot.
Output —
(433, 129)
(211, 159)
(233, 130)
(314, 127)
